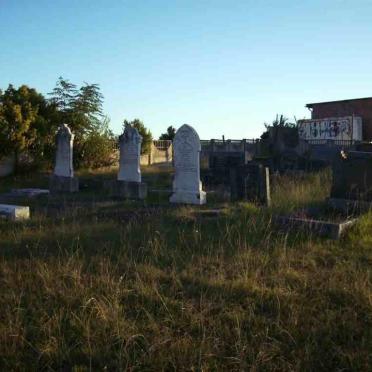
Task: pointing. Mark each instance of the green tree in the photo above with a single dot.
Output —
(17, 116)
(45, 126)
(143, 131)
(81, 109)
(63, 97)
(280, 121)
(98, 146)
(169, 135)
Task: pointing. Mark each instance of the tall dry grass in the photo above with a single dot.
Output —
(168, 290)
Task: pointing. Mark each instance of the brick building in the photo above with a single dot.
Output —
(361, 107)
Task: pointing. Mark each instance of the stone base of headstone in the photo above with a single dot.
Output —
(198, 198)
(126, 189)
(14, 212)
(63, 184)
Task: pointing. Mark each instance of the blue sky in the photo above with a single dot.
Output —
(225, 67)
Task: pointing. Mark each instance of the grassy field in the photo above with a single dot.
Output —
(91, 283)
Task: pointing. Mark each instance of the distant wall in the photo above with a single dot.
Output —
(247, 146)
(337, 128)
(161, 152)
(357, 107)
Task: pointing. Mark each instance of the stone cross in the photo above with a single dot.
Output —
(65, 139)
(187, 187)
(130, 154)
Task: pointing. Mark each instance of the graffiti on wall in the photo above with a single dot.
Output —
(330, 128)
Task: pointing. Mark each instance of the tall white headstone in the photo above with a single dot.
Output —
(63, 179)
(65, 140)
(187, 187)
(130, 155)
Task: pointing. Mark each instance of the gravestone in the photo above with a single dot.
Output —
(352, 180)
(128, 184)
(187, 187)
(250, 182)
(63, 179)
(220, 164)
(14, 212)
(130, 154)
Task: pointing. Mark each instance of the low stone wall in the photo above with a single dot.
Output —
(161, 155)
(145, 159)
(158, 155)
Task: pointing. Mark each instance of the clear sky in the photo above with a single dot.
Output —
(225, 67)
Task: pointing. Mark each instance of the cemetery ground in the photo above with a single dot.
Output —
(91, 283)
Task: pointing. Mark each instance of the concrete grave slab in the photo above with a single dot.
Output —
(30, 192)
(332, 230)
(321, 220)
(14, 212)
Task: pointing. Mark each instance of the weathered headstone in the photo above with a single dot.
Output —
(352, 180)
(63, 179)
(187, 187)
(128, 184)
(220, 164)
(14, 212)
(251, 182)
(130, 154)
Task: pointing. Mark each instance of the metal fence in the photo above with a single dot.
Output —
(162, 144)
(230, 145)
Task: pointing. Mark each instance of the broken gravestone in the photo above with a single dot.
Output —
(129, 184)
(63, 179)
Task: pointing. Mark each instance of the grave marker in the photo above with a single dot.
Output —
(128, 184)
(63, 179)
(130, 155)
(352, 181)
(187, 187)
(251, 182)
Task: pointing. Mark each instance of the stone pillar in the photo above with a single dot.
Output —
(63, 179)
(187, 187)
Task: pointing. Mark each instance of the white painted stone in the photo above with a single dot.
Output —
(187, 187)
(65, 139)
(130, 155)
(14, 212)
